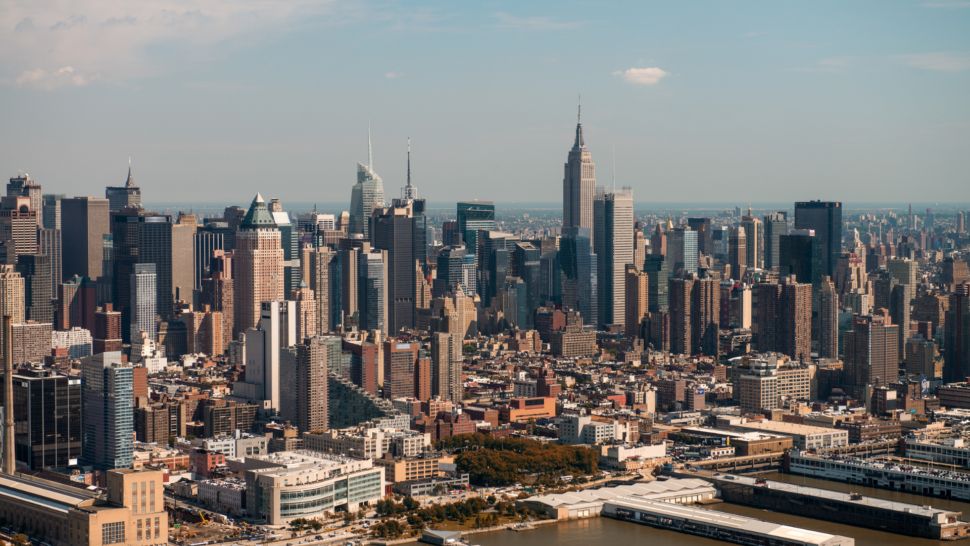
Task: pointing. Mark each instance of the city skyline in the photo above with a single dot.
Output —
(769, 101)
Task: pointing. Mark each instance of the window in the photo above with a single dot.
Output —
(113, 533)
(157, 527)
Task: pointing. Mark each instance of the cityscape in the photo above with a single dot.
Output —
(565, 358)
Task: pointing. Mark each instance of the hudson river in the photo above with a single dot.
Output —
(609, 532)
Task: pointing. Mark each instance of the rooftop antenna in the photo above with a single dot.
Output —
(614, 170)
(370, 157)
(579, 115)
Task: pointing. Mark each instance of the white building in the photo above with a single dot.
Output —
(77, 341)
(288, 485)
(277, 330)
(614, 456)
(803, 436)
(369, 443)
(224, 496)
(581, 429)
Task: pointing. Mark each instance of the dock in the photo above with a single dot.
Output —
(849, 508)
(716, 525)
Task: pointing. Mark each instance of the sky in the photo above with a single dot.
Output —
(715, 101)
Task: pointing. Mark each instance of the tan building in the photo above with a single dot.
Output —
(84, 223)
(319, 262)
(11, 295)
(257, 267)
(203, 332)
(68, 516)
(921, 357)
(401, 469)
(637, 290)
(32, 342)
(446, 366)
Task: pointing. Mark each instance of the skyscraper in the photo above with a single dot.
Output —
(18, 225)
(775, 225)
(579, 273)
(682, 250)
(121, 197)
(870, 353)
(366, 195)
(107, 389)
(681, 291)
(290, 243)
(11, 296)
(579, 184)
(257, 267)
(705, 242)
(372, 290)
(526, 258)
(395, 231)
(705, 316)
(48, 419)
(801, 254)
(784, 318)
(956, 340)
(472, 217)
(318, 271)
(52, 210)
(304, 385)
(35, 269)
(737, 252)
(446, 362)
(143, 290)
(899, 310)
(637, 300)
(24, 186)
(49, 244)
(826, 219)
(399, 363)
(613, 236)
(655, 265)
(753, 237)
(276, 331)
(828, 317)
(84, 222)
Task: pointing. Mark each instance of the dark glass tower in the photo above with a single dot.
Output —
(579, 282)
(800, 253)
(705, 241)
(47, 410)
(473, 216)
(775, 225)
(825, 217)
(655, 265)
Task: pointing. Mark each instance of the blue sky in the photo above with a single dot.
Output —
(707, 101)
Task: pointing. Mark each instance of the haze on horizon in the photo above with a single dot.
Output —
(711, 101)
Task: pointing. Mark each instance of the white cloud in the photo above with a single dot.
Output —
(42, 79)
(643, 76)
(120, 40)
(941, 61)
(393, 74)
(951, 5)
(511, 22)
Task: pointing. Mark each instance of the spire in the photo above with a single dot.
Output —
(670, 225)
(409, 191)
(370, 157)
(749, 209)
(131, 181)
(578, 145)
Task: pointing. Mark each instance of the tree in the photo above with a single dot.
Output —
(20, 540)
(490, 500)
(410, 504)
(316, 525)
(349, 518)
(439, 488)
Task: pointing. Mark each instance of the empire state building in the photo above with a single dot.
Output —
(578, 184)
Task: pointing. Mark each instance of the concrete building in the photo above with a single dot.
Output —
(277, 485)
(803, 437)
(446, 366)
(578, 430)
(277, 330)
(613, 245)
(32, 342)
(579, 184)
(77, 341)
(108, 401)
(11, 296)
(84, 222)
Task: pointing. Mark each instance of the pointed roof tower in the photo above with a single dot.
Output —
(579, 145)
(670, 225)
(131, 181)
(258, 216)
(410, 192)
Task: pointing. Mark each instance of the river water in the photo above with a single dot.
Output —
(609, 532)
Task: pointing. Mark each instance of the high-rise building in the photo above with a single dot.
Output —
(904, 270)
(77, 301)
(122, 197)
(306, 311)
(49, 244)
(321, 263)
(705, 316)
(84, 223)
(451, 270)
(737, 252)
(754, 240)
(578, 184)
(473, 216)
(366, 195)
(639, 246)
(579, 273)
(395, 231)
(305, 394)
(47, 420)
(107, 393)
(446, 364)
(658, 241)
(825, 218)
(11, 296)
(372, 291)
(31, 342)
(107, 330)
(613, 245)
(218, 294)
(960, 223)
(655, 265)
(400, 360)
(276, 331)
(35, 270)
(720, 236)
(956, 338)
(682, 250)
(18, 225)
(526, 259)
(681, 291)
(51, 210)
(705, 241)
(921, 356)
(637, 300)
(208, 240)
(290, 243)
(257, 266)
(870, 352)
(899, 311)
(775, 225)
(24, 186)
(784, 318)
(828, 318)
(801, 253)
(143, 300)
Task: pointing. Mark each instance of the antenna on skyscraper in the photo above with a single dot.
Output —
(370, 157)
(579, 114)
(614, 170)
(409, 191)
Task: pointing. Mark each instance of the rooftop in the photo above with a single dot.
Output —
(43, 493)
(789, 428)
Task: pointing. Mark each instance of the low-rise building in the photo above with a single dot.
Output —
(619, 457)
(524, 409)
(449, 481)
(226, 496)
(368, 443)
(399, 469)
(582, 429)
(803, 437)
(284, 486)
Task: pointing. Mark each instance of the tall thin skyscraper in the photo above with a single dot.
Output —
(396, 230)
(956, 337)
(579, 273)
(705, 243)
(870, 353)
(753, 236)
(737, 252)
(446, 361)
(38, 304)
(828, 318)
(52, 210)
(826, 219)
(366, 195)
(637, 300)
(49, 244)
(143, 294)
(372, 290)
(107, 393)
(257, 267)
(682, 250)
(613, 235)
(24, 186)
(579, 185)
(11, 296)
(776, 225)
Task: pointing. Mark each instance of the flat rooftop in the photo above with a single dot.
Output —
(729, 434)
(722, 519)
(42, 493)
(302, 458)
(657, 489)
(927, 511)
(789, 428)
